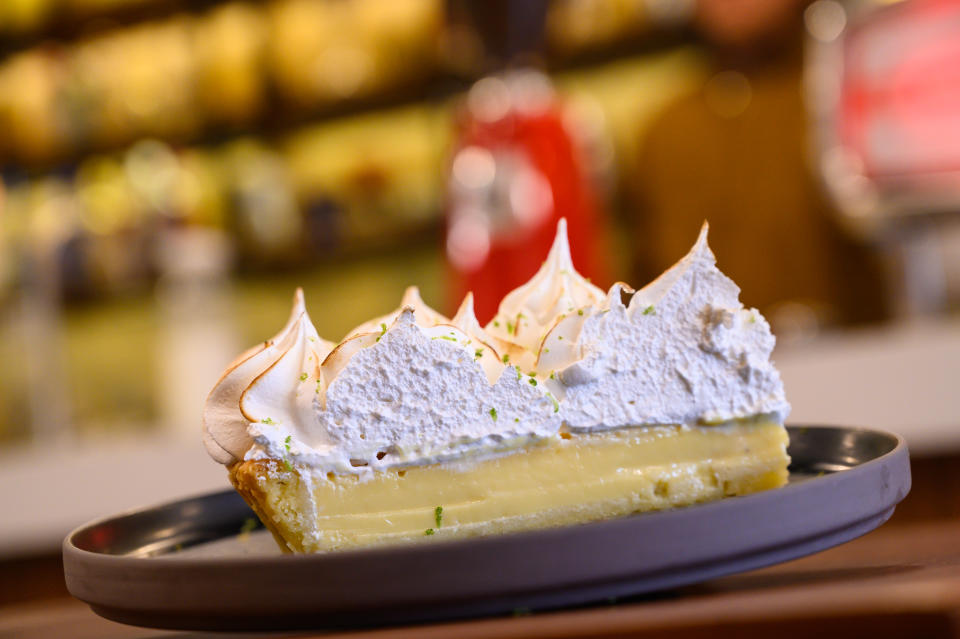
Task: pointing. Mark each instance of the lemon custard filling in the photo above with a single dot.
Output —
(564, 480)
(571, 405)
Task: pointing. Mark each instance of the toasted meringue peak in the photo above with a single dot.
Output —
(342, 353)
(283, 393)
(425, 315)
(225, 433)
(466, 320)
(529, 310)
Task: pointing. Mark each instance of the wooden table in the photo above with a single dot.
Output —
(902, 580)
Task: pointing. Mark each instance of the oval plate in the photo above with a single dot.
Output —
(187, 565)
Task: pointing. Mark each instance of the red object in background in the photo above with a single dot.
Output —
(516, 172)
(900, 95)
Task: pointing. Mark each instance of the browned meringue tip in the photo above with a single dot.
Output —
(289, 344)
(561, 341)
(465, 310)
(334, 362)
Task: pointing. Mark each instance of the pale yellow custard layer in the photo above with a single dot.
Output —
(566, 480)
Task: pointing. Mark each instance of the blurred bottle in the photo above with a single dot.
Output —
(197, 321)
(41, 323)
(516, 169)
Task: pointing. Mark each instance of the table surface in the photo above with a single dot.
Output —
(900, 580)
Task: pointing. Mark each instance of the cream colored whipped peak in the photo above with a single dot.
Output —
(225, 433)
(527, 312)
(466, 320)
(425, 315)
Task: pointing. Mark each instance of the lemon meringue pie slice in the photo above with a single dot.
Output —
(570, 406)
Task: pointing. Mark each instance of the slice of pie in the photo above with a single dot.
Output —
(572, 405)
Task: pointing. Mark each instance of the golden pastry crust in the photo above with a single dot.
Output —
(255, 480)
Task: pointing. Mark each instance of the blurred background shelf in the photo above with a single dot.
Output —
(170, 171)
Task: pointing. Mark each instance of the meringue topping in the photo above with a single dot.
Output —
(413, 387)
(683, 351)
(528, 311)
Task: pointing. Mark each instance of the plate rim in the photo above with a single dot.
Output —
(561, 536)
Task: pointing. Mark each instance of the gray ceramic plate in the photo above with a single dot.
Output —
(184, 565)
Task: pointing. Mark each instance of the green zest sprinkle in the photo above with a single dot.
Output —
(580, 312)
(556, 404)
(438, 515)
(267, 420)
(478, 353)
(510, 328)
(429, 531)
(546, 350)
(493, 413)
(532, 381)
(249, 524)
(552, 375)
(383, 330)
(506, 358)
(303, 377)
(753, 318)
(532, 374)
(286, 443)
(559, 336)
(519, 374)
(650, 310)
(446, 337)
(287, 465)
(312, 338)
(496, 323)
(516, 419)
